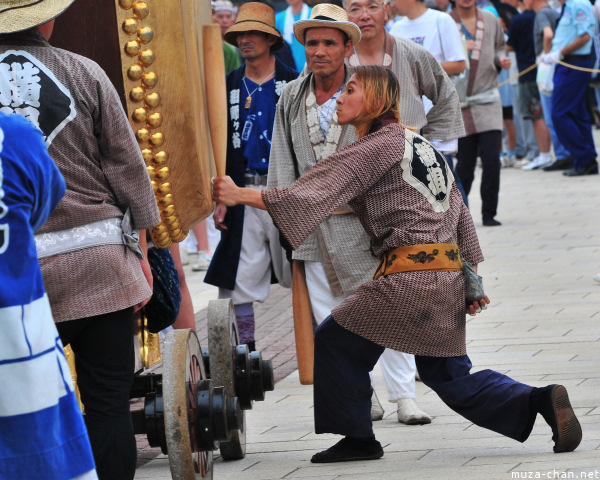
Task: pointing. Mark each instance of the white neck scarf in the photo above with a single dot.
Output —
(288, 28)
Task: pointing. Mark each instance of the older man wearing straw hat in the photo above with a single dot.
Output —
(249, 249)
(92, 289)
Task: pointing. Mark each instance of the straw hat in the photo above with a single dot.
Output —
(17, 15)
(254, 16)
(327, 15)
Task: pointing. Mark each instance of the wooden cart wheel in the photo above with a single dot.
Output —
(182, 369)
(222, 340)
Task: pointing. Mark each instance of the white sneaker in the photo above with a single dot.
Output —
(376, 408)
(521, 163)
(597, 277)
(410, 414)
(202, 263)
(537, 162)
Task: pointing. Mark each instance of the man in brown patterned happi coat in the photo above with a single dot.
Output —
(88, 250)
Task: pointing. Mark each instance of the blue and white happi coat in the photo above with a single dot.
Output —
(42, 433)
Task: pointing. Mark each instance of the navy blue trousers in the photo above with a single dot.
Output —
(569, 112)
(342, 387)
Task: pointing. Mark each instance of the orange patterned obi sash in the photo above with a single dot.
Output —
(413, 258)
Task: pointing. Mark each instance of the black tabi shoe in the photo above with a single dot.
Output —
(562, 164)
(350, 449)
(491, 222)
(590, 169)
(556, 409)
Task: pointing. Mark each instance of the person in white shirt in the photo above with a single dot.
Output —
(437, 33)
(433, 30)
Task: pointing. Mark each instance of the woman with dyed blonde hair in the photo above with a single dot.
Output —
(403, 192)
(382, 97)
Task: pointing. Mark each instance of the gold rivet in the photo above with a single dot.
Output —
(126, 4)
(160, 158)
(164, 244)
(137, 94)
(146, 57)
(132, 48)
(159, 229)
(152, 100)
(139, 115)
(163, 173)
(164, 188)
(166, 200)
(150, 79)
(142, 135)
(170, 220)
(155, 120)
(147, 154)
(130, 26)
(141, 10)
(151, 171)
(180, 237)
(145, 35)
(156, 139)
(170, 210)
(164, 236)
(154, 185)
(135, 72)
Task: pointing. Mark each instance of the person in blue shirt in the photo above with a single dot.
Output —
(284, 21)
(42, 433)
(572, 44)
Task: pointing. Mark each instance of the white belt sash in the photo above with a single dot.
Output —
(111, 231)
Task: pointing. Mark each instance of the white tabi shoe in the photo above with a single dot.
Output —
(410, 414)
(376, 408)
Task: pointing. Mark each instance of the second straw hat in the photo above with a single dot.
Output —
(254, 16)
(330, 16)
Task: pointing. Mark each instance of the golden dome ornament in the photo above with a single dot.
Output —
(141, 10)
(136, 94)
(142, 135)
(147, 154)
(164, 188)
(152, 99)
(156, 139)
(149, 79)
(163, 173)
(130, 26)
(155, 119)
(132, 48)
(145, 35)
(160, 158)
(135, 72)
(146, 57)
(139, 115)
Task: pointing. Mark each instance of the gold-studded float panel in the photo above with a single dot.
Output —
(161, 60)
(160, 82)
